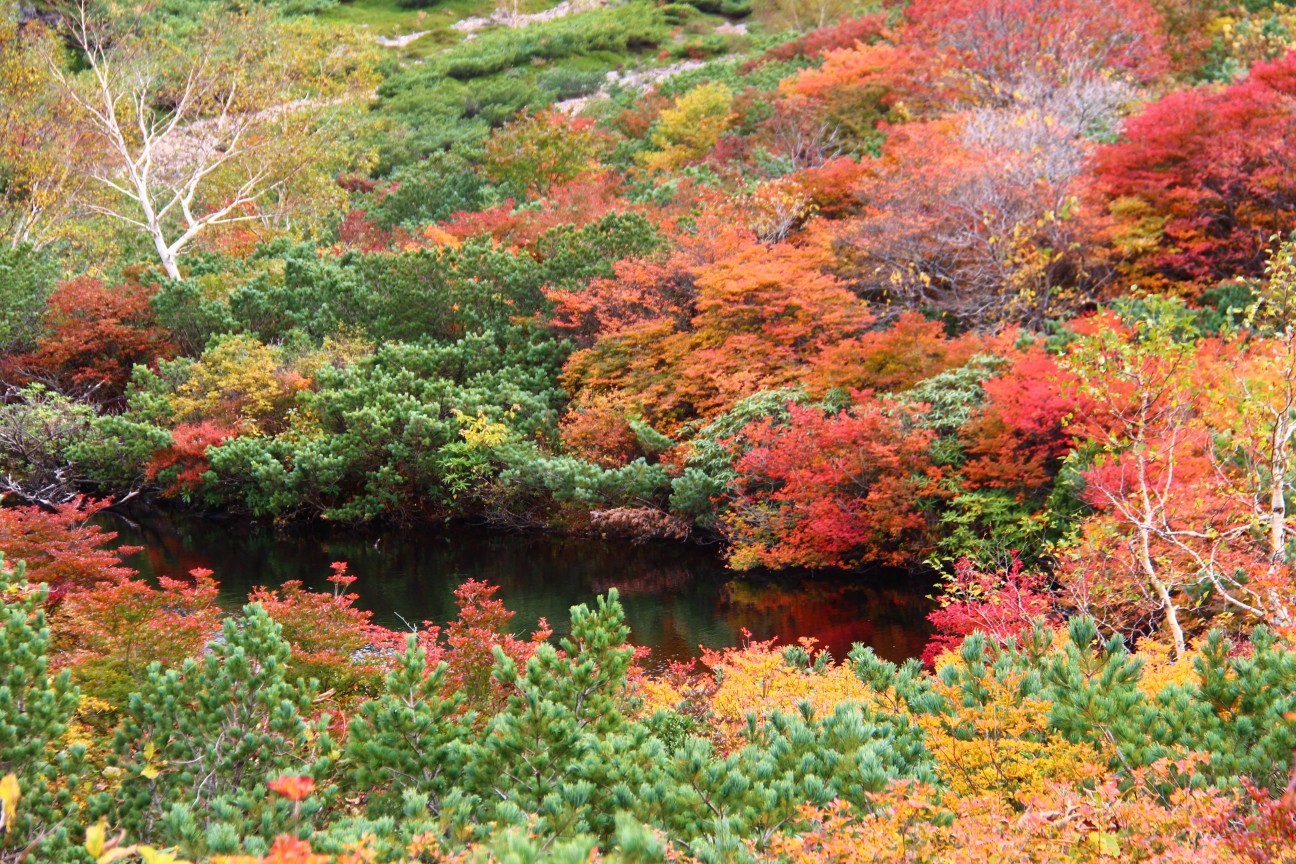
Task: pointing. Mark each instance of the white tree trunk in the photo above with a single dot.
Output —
(1163, 593)
(1279, 470)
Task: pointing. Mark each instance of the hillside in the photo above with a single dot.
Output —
(997, 290)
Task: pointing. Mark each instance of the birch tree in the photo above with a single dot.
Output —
(1191, 439)
(245, 120)
(1257, 410)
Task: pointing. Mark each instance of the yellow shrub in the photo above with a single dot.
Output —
(1003, 747)
(1161, 669)
(757, 679)
(242, 382)
(481, 432)
(690, 128)
(657, 695)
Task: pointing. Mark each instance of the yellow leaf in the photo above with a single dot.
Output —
(1106, 844)
(159, 856)
(9, 795)
(116, 854)
(149, 772)
(96, 836)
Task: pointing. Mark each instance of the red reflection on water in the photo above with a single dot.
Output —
(892, 620)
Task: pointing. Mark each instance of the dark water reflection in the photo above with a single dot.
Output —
(676, 597)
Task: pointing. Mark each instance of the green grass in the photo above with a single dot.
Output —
(388, 18)
(443, 91)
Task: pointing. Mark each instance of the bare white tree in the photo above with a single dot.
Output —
(205, 134)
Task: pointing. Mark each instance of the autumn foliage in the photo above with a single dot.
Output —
(1202, 181)
(1004, 45)
(833, 489)
(997, 293)
(182, 465)
(63, 549)
(759, 317)
(1003, 605)
(1026, 413)
(94, 334)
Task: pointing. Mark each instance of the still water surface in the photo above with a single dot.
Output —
(676, 597)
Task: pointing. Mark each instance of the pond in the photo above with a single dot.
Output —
(676, 597)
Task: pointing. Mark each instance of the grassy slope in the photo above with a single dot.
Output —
(389, 19)
(450, 90)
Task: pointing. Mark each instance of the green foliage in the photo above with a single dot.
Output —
(952, 397)
(185, 309)
(427, 191)
(408, 743)
(1234, 713)
(35, 710)
(114, 455)
(1223, 307)
(461, 94)
(197, 746)
(569, 480)
(615, 30)
(571, 255)
(52, 446)
(439, 113)
(563, 764)
(734, 73)
(693, 494)
(713, 450)
(1238, 711)
(711, 801)
(672, 728)
(440, 294)
(313, 295)
(565, 82)
(148, 398)
(374, 445)
(176, 13)
(987, 525)
(649, 439)
(37, 427)
(563, 761)
(26, 279)
(549, 758)
(728, 8)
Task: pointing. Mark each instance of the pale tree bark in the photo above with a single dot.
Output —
(1279, 472)
(1264, 404)
(190, 148)
(1150, 516)
(1207, 554)
(1153, 434)
(1277, 303)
